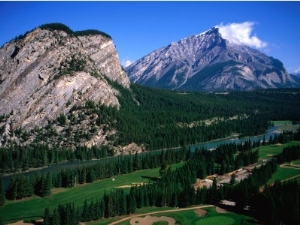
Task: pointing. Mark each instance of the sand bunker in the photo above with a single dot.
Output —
(149, 220)
(220, 210)
(201, 212)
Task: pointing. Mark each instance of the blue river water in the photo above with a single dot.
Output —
(272, 131)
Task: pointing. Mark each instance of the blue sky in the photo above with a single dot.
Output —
(139, 28)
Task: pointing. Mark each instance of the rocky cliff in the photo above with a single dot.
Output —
(208, 62)
(50, 72)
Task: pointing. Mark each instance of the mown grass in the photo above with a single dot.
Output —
(34, 207)
(269, 151)
(284, 173)
(281, 122)
(286, 125)
(296, 162)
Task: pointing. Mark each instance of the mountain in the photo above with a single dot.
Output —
(208, 62)
(296, 73)
(51, 73)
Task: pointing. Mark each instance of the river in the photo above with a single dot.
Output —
(272, 131)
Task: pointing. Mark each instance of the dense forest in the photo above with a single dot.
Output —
(175, 189)
(159, 119)
(152, 118)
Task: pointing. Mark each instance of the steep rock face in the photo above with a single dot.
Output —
(49, 72)
(207, 62)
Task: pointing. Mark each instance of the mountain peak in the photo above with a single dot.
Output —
(213, 30)
(209, 62)
(51, 71)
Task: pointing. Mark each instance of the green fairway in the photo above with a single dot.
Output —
(269, 151)
(286, 125)
(296, 162)
(217, 220)
(281, 122)
(284, 173)
(34, 207)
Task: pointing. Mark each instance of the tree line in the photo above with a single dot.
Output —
(219, 161)
(20, 157)
(223, 159)
(276, 204)
(162, 118)
(174, 189)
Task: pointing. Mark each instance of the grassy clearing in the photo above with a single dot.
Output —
(34, 207)
(286, 125)
(281, 122)
(283, 173)
(269, 151)
(296, 162)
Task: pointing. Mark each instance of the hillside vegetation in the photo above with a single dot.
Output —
(160, 119)
(152, 118)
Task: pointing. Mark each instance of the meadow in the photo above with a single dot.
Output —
(268, 151)
(34, 207)
(284, 173)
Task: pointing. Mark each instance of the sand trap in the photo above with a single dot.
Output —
(125, 186)
(220, 210)
(149, 220)
(201, 212)
(19, 223)
(22, 222)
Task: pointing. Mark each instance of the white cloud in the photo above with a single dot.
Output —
(297, 71)
(240, 33)
(126, 62)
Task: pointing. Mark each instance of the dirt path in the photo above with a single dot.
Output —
(149, 220)
(151, 213)
(290, 178)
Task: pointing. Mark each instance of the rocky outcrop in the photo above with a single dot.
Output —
(208, 62)
(49, 71)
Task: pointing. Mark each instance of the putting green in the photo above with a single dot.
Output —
(217, 220)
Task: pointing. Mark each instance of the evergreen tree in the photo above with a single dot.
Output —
(55, 217)
(163, 168)
(137, 162)
(47, 217)
(2, 193)
(85, 216)
(232, 179)
(46, 185)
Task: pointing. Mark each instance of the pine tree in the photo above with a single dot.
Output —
(163, 169)
(47, 216)
(2, 194)
(137, 162)
(232, 179)
(55, 217)
(85, 212)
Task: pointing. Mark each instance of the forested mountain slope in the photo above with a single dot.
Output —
(161, 118)
(65, 90)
